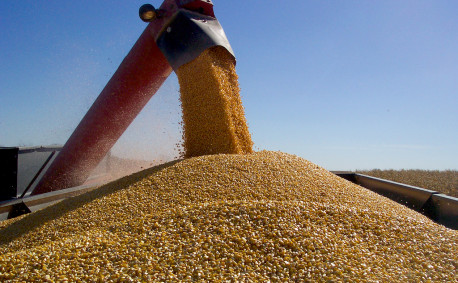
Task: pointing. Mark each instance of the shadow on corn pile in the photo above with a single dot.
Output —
(32, 221)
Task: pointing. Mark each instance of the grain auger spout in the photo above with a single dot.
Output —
(178, 32)
(187, 29)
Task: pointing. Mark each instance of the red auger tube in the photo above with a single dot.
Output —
(137, 79)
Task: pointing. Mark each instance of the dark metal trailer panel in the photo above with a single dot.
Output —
(22, 167)
(8, 172)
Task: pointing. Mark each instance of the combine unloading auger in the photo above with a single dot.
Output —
(177, 32)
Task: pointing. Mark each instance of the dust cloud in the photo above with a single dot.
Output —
(154, 137)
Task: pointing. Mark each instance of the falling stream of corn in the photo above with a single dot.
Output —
(226, 217)
(213, 116)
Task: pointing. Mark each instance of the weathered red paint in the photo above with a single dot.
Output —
(137, 79)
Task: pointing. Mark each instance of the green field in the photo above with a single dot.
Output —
(445, 182)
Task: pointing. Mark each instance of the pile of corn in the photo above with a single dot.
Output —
(262, 216)
(213, 115)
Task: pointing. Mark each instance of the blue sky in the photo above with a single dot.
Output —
(345, 84)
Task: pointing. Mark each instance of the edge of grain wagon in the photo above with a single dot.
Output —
(438, 207)
(34, 203)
